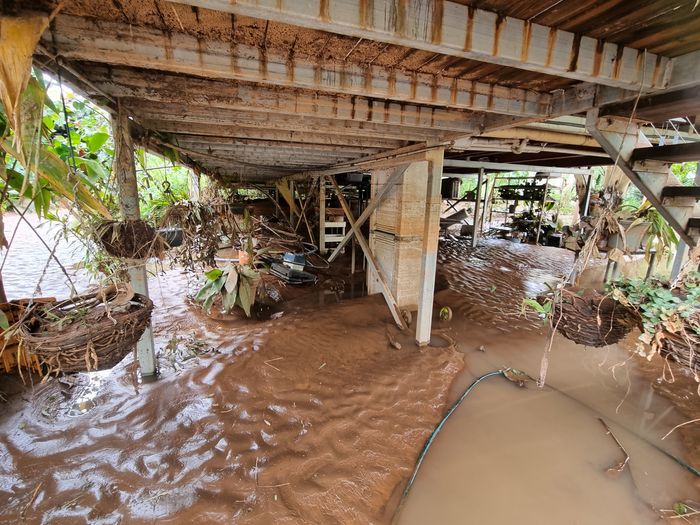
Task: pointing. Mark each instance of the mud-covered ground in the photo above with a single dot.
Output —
(313, 417)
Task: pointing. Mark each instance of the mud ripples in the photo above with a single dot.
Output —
(302, 419)
(487, 284)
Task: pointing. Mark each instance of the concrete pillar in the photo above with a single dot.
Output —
(396, 231)
(125, 172)
(404, 237)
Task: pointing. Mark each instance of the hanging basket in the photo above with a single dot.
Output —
(88, 332)
(590, 318)
(12, 357)
(683, 346)
(129, 239)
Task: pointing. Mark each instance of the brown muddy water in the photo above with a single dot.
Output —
(312, 417)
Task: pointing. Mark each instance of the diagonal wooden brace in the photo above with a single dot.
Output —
(371, 261)
(376, 201)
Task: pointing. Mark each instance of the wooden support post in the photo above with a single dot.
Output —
(395, 177)
(322, 215)
(488, 201)
(125, 172)
(388, 296)
(544, 201)
(287, 191)
(431, 233)
(195, 186)
(477, 204)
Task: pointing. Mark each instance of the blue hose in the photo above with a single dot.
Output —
(440, 425)
(456, 404)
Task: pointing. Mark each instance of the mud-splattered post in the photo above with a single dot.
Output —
(431, 231)
(477, 207)
(125, 172)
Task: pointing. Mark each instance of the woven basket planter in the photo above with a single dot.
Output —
(591, 318)
(684, 348)
(86, 333)
(129, 239)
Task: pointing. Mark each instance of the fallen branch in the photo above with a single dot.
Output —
(618, 467)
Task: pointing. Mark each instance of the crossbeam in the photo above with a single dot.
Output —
(376, 201)
(145, 88)
(230, 127)
(371, 261)
(77, 38)
(503, 166)
(294, 138)
(453, 29)
(461, 121)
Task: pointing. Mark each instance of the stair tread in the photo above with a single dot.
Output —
(681, 191)
(688, 152)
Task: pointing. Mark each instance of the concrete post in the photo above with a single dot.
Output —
(125, 172)
(431, 231)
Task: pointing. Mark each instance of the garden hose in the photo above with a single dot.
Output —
(439, 426)
(456, 404)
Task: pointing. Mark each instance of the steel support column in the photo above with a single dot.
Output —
(125, 172)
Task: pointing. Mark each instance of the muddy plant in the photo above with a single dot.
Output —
(669, 316)
(202, 230)
(235, 285)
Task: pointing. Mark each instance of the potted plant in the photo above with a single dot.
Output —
(235, 285)
(669, 315)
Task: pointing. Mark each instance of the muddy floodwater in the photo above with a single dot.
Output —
(313, 417)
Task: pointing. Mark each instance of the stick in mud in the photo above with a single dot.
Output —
(619, 467)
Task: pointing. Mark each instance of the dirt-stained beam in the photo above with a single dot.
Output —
(77, 38)
(450, 28)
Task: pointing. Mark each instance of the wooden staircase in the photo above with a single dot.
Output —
(649, 168)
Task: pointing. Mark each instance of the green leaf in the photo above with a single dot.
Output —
(229, 300)
(96, 140)
(232, 281)
(4, 322)
(213, 274)
(95, 170)
(246, 294)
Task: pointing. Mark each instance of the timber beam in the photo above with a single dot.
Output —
(461, 121)
(261, 124)
(263, 137)
(145, 87)
(76, 38)
(453, 29)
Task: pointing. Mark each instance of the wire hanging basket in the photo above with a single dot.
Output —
(589, 317)
(86, 333)
(131, 239)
